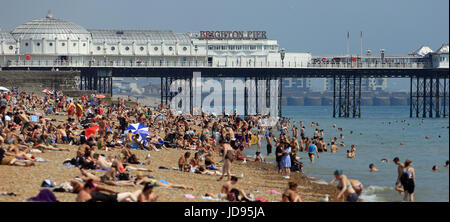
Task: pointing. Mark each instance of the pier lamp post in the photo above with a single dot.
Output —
(282, 54)
(382, 56)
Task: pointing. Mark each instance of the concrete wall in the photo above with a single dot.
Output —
(35, 81)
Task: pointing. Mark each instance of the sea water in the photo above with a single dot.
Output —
(370, 148)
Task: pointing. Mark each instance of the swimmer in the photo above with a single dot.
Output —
(384, 160)
(435, 168)
(372, 168)
(446, 164)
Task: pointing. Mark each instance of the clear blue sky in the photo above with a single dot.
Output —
(319, 26)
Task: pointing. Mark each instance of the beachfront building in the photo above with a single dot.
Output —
(50, 41)
(440, 57)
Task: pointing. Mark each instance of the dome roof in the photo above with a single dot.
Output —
(50, 28)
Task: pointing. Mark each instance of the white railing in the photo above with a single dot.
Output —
(187, 64)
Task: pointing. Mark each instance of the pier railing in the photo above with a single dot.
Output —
(187, 64)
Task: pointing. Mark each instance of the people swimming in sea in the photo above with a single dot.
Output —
(435, 168)
(372, 168)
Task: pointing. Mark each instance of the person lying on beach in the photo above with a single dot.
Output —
(7, 158)
(84, 195)
(291, 194)
(42, 145)
(109, 178)
(158, 183)
(113, 196)
(16, 149)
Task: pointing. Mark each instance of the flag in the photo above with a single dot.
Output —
(91, 131)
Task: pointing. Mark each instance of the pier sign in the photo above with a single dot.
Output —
(233, 35)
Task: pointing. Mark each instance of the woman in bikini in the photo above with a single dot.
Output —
(345, 186)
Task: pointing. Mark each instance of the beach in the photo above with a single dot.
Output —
(26, 181)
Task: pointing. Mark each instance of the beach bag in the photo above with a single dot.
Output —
(124, 176)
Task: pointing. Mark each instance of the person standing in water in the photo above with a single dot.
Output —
(312, 151)
(398, 184)
(346, 187)
(269, 143)
(408, 180)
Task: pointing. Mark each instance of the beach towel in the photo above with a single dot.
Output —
(48, 183)
(211, 167)
(44, 196)
(40, 160)
(259, 199)
(189, 196)
(210, 198)
(163, 181)
(272, 191)
(34, 119)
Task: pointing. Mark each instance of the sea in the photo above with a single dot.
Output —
(377, 135)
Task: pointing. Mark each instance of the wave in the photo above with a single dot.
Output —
(369, 193)
(372, 189)
(319, 181)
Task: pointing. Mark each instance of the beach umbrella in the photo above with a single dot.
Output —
(4, 89)
(101, 96)
(91, 131)
(138, 128)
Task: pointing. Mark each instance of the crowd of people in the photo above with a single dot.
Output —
(93, 125)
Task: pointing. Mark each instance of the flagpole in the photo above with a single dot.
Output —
(348, 46)
(361, 52)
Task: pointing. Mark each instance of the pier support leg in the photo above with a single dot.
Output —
(280, 97)
(334, 96)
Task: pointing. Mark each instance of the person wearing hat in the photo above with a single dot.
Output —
(345, 186)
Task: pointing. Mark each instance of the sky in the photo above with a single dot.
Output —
(319, 26)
